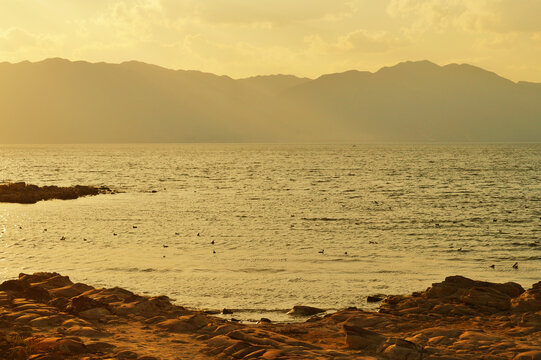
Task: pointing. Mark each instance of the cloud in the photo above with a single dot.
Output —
(469, 15)
(16, 40)
(258, 11)
(363, 41)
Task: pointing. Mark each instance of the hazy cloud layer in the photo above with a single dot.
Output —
(305, 37)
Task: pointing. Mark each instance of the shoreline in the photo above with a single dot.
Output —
(46, 316)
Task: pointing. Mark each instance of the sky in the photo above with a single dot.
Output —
(242, 38)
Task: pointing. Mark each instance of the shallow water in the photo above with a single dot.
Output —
(401, 212)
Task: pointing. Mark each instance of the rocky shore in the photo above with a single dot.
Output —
(47, 316)
(30, 194)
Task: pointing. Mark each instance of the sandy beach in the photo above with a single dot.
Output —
(47, 316)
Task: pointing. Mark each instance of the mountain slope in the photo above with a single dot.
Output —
(59, 101)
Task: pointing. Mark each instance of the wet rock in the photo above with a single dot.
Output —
(227, 311)
(300, 310)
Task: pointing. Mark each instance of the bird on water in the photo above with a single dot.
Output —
(515, 266)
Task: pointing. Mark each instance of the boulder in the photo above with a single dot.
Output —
(529, 301)
(300, 310)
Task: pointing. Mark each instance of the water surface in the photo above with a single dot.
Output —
(406, 215)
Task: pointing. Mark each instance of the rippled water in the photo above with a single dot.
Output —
(407, 216)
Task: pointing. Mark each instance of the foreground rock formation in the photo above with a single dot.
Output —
(46, 316)
(30, 194)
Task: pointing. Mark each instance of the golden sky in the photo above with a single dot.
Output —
(303, 37)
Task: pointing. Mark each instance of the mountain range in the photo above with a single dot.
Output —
(60, 101)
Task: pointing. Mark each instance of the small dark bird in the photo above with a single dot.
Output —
(20, 227)
(459, 249)
(44, 229)
(515, 266)
(213, 251)
(346, 253)
(163, 256)
(492, 266)
(165, 246)
(321, 251)
(177, 234)
(212, 242)
(84, 239)
(437, 225)
(115, 234)
(63, 238)
(135, 227)
(198, 234)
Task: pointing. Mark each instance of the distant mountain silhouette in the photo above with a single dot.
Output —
(59, 101)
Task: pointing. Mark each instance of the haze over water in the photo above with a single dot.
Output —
(401, 212)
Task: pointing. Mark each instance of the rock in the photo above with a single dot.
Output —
(60, 303)
(374, 298)
(64, 346)
(99, 347)
(29, 194)
(190, 323)
(85, 331)
(486, 299)
(362, 339)
(47, 321)
(227, 311)
(37, 293)
(126, 354)
(70, 291)
(81, 303)
(95, 314)
(300, 310)
(13, 285)
(396, 352)
(529, 355)
(529, 301)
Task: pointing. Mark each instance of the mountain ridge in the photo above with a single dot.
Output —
(59, 100)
